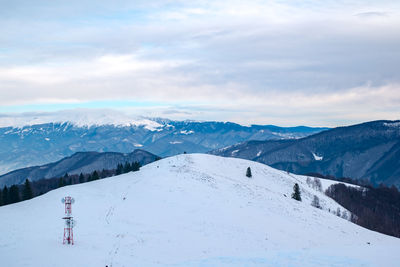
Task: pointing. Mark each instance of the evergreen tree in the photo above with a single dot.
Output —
(81, 178)
(119, 169)
(5, 196)
(1, 197)
(14, 194)
(135, 166)
(248, 172)
(127, 167)
(67, 181)
(315, 202)
(27, 192)
(61, 182)
(95, 176)
(296, 192)
(89, 179)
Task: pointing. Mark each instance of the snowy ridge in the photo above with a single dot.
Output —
(79, 118)
(392, 124)
(190, 210)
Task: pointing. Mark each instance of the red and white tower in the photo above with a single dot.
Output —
(69, 221)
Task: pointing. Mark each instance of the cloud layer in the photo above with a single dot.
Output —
(283, 62)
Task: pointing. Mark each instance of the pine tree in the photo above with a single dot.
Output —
(67, 181)
(135, 166)
(315, 202)
(127, 167)
(14, 194)
(119, 169)
(248, 172)
(61, 182)
(27, 192)
(5, 196)
(89, 179)
(95, 176)
(81, 178)
(296, 192)
(103, 174)
(1, 197)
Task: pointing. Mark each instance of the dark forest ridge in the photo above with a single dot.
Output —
(368, 151)
(81, 162)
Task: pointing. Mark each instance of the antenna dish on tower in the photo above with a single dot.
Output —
(70, 223)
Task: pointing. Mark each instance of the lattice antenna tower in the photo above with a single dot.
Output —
(69, 221)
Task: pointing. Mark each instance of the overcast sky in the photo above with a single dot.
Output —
(317, 63)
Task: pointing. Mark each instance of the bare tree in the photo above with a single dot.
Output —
(317, 184)
(309, 182)
(315, 202)
(338, 212)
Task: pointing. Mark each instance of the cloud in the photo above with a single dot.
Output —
(372, 14)
(323, 109)
(202, 54)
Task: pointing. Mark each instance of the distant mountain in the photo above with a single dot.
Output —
(365, 151)
(39, 144)
(81, 162)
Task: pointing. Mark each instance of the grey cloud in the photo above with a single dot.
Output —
(372, 14)
(176, 112)
(226, 56)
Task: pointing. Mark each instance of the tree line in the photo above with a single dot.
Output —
(360, 182)
(375, 208)
(17, 193)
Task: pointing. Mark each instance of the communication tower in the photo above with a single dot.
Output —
(69, 221)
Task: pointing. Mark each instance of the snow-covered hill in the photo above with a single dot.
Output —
(190, 210)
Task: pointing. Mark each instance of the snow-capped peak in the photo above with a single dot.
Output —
(78, 117)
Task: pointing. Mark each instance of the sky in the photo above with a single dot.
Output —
(311, 62)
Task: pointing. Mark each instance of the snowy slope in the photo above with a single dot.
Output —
(190, 210)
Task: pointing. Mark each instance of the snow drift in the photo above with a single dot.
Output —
(190, 210)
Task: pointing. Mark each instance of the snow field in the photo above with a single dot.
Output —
(190, 210)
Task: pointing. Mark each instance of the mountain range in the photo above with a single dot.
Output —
(368, 151)
(80, 162)
(24, 146)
